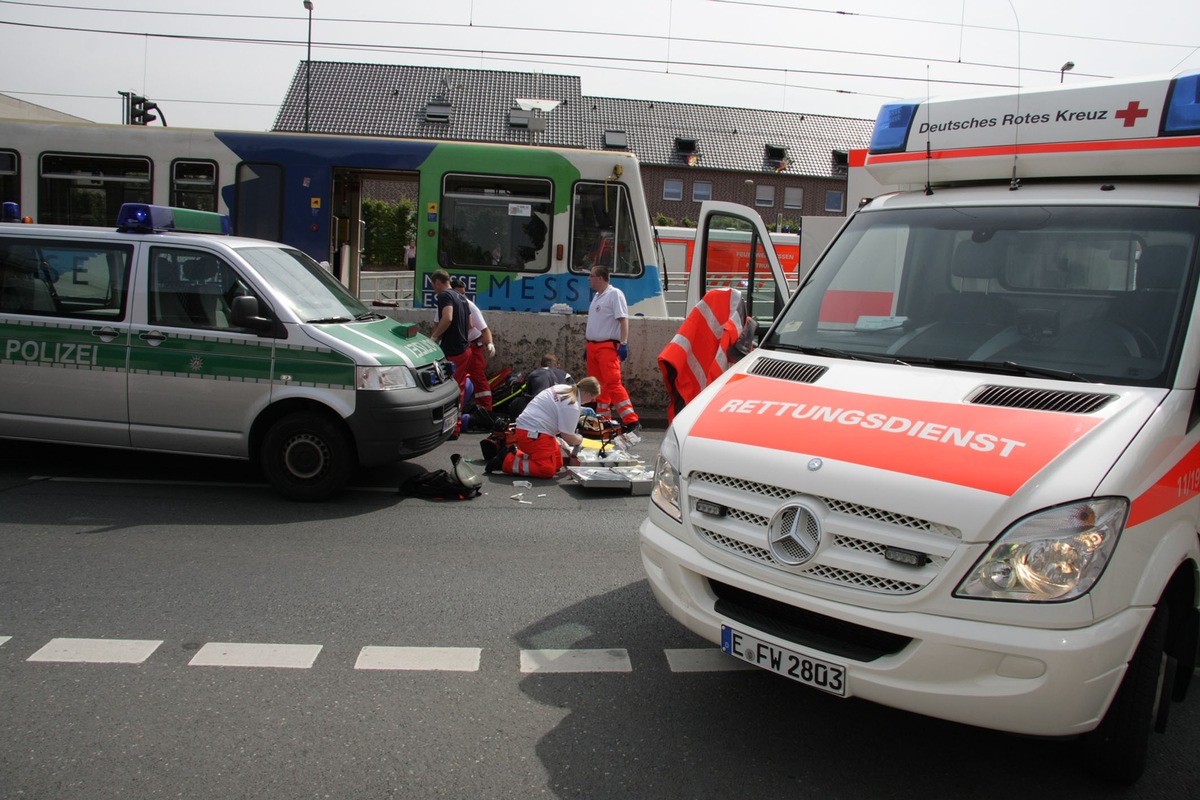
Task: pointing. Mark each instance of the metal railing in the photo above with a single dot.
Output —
(394, 287)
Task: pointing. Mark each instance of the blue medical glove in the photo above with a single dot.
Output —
(587, 412)
(622, 351)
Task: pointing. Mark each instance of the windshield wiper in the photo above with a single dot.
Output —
(833, 352)
(327, 320)
(999, 367)
(368, 315)
(1046, 372)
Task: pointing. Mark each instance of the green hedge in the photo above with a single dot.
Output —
(389, 227)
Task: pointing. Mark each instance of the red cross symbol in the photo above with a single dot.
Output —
(1131, 113)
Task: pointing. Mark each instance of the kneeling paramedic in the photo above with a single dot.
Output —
(552, 414)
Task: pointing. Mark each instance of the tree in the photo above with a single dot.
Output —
(389, 228)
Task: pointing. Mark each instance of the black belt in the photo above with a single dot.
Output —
(604, 341)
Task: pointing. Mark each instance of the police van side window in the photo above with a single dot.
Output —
(191, 289)
(46, 277)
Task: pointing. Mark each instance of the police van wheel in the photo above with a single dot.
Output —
(1117, 748)
(306, 457)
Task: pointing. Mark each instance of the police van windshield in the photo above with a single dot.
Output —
(1087, 293)
(309, 290)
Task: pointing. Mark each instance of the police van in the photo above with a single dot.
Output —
(960, 475)
(153, 338)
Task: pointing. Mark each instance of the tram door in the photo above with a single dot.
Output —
(349, 234)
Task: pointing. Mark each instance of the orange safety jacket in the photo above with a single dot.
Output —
(713, 336)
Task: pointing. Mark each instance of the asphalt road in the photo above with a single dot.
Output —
(377, 647)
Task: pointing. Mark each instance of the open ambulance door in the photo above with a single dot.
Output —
(755, 272)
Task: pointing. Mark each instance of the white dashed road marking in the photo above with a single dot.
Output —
(381, 658)
(575, 661)
(96, 651)
(4, 639)
(441, 659)
(242, 654)
(704, 661)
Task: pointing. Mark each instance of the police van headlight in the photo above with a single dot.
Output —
(385, 378)
(1056, 554)
(666, 477)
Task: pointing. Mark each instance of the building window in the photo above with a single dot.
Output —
(437, 110)
(840, 163)
(701, 191)
(764, 196)
(835, 200)
(793, 197)
(672, 189)
(616, 140)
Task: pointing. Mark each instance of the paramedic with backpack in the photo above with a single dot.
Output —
(552, 414)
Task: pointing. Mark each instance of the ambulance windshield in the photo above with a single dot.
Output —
(1094, 293)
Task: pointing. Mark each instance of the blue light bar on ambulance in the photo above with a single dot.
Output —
(891, 127)
(1183, 106)
(10, 212)
(1114, 128)
(145, 218)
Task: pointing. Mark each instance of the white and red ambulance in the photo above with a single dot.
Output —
(960, 475)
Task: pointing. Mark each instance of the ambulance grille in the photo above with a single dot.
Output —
(857, 536)
(1040, 399)
(788, 370)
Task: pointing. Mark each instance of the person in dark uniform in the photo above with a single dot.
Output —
(451, 330)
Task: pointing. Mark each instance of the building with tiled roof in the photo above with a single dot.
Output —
(786, 164)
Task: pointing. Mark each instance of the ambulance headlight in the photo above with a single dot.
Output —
(385, 378)
(1055, 554)
(666, 477)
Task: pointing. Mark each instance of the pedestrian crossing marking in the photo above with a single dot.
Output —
(576, 661)
(381, 657)
(96, 651)
(246, 654)
(441, 659)
(706, 660)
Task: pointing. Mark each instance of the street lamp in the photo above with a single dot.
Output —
(308, 67)
(1067, 67)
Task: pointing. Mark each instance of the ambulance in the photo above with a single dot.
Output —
(162, 336)
(960, 474)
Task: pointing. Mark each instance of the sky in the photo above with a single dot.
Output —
(228, 63)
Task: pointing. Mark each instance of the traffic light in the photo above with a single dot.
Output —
(139, 110)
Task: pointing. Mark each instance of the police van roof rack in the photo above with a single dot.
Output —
(146, 218)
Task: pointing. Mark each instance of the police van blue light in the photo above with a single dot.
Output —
(146, 218)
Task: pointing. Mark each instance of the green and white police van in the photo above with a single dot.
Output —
(151, 338)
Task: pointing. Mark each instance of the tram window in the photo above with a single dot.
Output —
(194, 185)
(10, 177)
(602, 230)
(493, 222)
(90, 189)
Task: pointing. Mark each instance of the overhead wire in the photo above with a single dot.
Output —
(644, 64)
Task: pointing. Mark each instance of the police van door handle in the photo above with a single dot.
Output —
(105, 334)
(153, 337)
